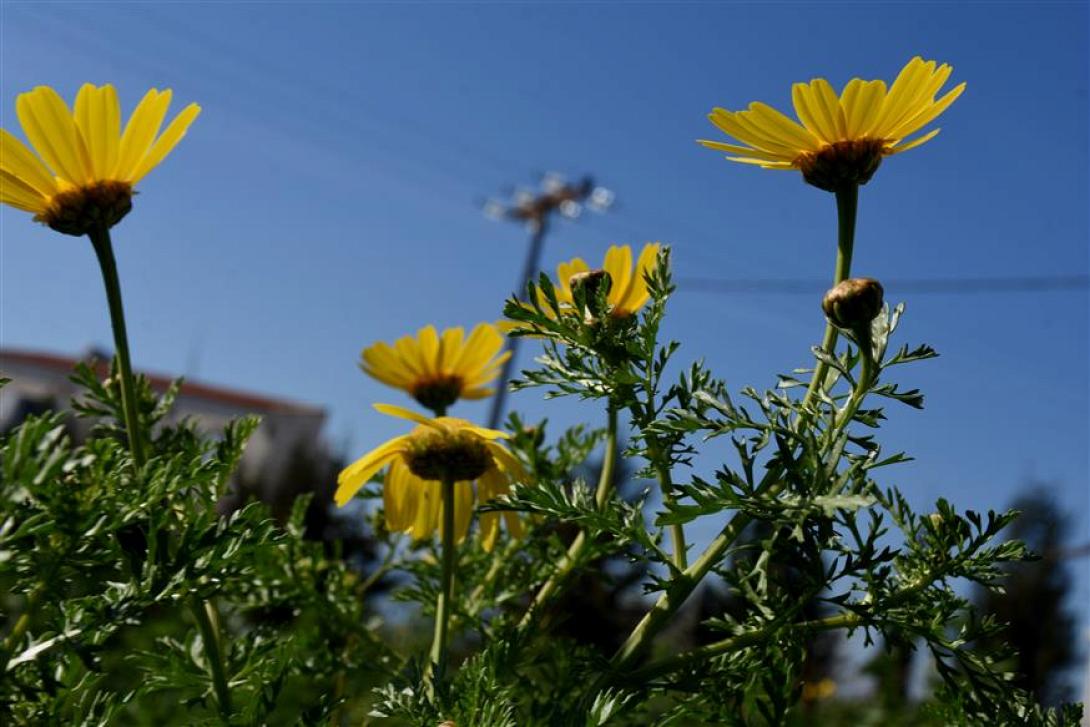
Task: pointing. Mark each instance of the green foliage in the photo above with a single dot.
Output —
(803, 469)
(135, 602)
(113, 563)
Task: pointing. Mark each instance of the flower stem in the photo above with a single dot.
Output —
(208, 623)
(847, 202)
(683, 584)
(442, 605)
(100, 240)
(579, 546)
(203, 611)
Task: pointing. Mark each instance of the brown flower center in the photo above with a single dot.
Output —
(454, 456)
(842, 164)
(77, 211)
(438, 393)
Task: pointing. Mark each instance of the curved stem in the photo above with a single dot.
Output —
(208, 623)
(442, 605)
(682, 586)
(579, 546)
(100, 240)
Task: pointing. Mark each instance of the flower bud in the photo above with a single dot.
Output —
(853, 303)
(586, 288)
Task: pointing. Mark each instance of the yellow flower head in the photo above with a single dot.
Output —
(841, 140)
(627, 287)
(85, 167)
(437, 449)
(438, 369)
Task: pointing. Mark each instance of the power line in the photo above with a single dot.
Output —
(940, 286)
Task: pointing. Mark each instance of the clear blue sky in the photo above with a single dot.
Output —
(327, 195)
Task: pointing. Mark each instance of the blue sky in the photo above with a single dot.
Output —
(328, 197)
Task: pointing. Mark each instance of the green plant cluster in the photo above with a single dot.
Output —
(122, 570)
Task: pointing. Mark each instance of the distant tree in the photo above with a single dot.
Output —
(1041, 629)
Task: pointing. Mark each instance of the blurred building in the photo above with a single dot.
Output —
(289, 431)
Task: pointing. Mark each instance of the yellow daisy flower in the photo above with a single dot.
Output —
(438, 369)
(85, 168)
(841, 140)
(440, 448)
(628, 289)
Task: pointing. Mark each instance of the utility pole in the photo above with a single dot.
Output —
(535, 212)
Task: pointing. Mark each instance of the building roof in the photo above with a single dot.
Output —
(256, 403)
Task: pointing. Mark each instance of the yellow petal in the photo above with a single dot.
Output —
(98, 116)
(17, 193)
(927, 115)
(898, 97)
(921, 96)
(400, 411)
(506, 461)
(743, 127)
(428, 339)
(638, 293)
(463, 509)
(486, 433)
(20, 162)
(166, 143)
(408, 350)
(356, 475)
(490, 530)
(830, 107)
(809, 111)
(735, 149)
(400, 494)
(49, 125)
(865, 109)
(139, 133)
(382, 362)
(618, 263)
(488, 373)
(450, 349)
(794, 134)
(564, 272)
(427, 510)
(918, 141)
(483, 343)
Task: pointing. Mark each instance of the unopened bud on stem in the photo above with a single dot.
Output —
(586, 289)
(854, 303)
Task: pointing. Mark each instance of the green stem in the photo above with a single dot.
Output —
(204, 611)
(683, 585)
(847, 202)
(442, 605)
(579, 546)
(208, 623)
(100, 240)
(734, 643)
(842, 620)
(677, 530)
